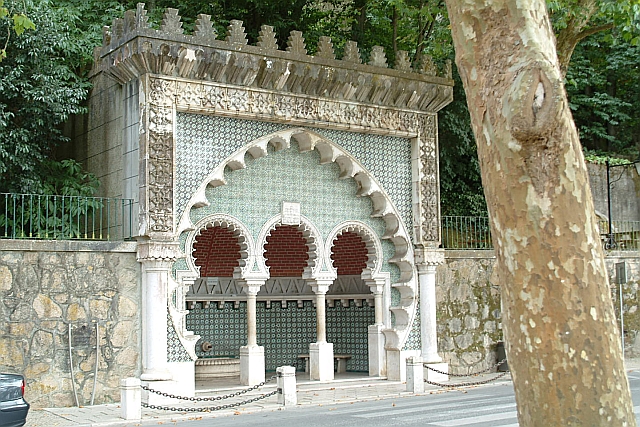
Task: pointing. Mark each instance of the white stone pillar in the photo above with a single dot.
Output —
(252, 363)
(415, 375)
(130, 399)
(321, 352)
(156, 258)
(426, 261)
(377, 359)
(287, 386)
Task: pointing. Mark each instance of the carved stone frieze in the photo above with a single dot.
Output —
(131, 48)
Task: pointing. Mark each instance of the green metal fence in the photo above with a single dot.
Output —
(35, 216)
(466, 232)
(623, 235)
(469, 233)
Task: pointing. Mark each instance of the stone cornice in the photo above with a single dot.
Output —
(132, 49)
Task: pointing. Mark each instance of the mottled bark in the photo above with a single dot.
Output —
(562, 343)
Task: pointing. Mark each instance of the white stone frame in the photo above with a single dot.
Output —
(350, 167)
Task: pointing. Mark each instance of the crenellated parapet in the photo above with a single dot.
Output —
(131, 48)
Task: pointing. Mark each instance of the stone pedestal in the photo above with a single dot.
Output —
(377, 360)
(130, 399)
(251, 365)
(321, 361)
(415, 375)
(287, 386)
(435, 376)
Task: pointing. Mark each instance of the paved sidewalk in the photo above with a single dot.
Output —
(309, 393)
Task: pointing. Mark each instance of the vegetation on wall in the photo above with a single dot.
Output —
(46, 67)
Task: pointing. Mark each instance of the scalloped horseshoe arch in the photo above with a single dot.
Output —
(310, 234)
(372, 243)
(350, 167)
(240, 232)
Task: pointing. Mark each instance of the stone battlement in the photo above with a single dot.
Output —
(131, 48)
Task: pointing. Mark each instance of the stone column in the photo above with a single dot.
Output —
(321, 352)
(156, 258)
(427, 261)
(377, 360)
(252, 355)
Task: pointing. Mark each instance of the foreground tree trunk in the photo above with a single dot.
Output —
(562, 343)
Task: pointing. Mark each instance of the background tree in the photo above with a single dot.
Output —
(40, 89)
(558, 319)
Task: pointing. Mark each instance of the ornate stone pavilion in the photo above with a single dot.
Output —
(288, 203)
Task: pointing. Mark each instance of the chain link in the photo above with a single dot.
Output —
(208, 399)
(467, 384)
(491, 368)
(211, 408)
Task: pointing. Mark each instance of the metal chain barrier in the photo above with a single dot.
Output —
(468, 384)
(210, 399)
(210, 408)
(201, 399)
(490, 368)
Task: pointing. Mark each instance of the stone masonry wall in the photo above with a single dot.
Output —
(47, 286)
(469, 309)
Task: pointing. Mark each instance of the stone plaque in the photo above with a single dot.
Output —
(290, 213)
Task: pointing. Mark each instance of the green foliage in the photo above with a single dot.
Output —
(603, 86)
(19, 24)
(40, 89)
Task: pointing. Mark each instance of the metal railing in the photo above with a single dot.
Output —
(623, 235)
(36, 216)
(472, 233)
(466, 232)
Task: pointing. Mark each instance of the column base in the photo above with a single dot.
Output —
(156, 375)
(436, 377)
(321, 361)
(377, 363)
(251, 365)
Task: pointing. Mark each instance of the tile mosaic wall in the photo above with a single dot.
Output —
(414, 340)
(175, 349)
(203, 142)
(284, 332)
(293, 176)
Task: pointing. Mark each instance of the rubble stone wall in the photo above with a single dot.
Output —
(53, 294)
(469, 309)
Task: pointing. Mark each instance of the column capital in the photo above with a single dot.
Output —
(376, 285)
(428, 257)
(157, 250)
(251, 286)
(320, 286)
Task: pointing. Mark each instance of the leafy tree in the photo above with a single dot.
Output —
(558, 312)
(603, 85)
(19, 24)
(40, 89)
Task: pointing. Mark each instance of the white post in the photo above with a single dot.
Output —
(321, 352)
(287, 386)
(415, 375)
(252, 363)
(130, 399)
(377, 360)
(156, 258)
(427, 261)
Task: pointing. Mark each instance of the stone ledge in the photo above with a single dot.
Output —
(67, 246)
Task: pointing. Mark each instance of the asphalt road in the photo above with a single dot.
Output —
(490, 405)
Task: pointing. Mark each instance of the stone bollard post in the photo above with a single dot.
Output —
(130, 399)
(415, 375)
(287, 386)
